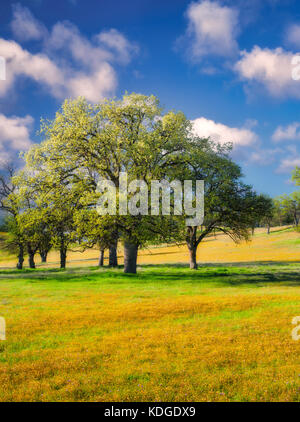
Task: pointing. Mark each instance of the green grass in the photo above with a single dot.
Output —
(221, 333)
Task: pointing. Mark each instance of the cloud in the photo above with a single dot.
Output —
(110, 45)
(264, 157)
(288, 164)
(115, 41)
(69, 64)
(24, 25)
(271, 69)
(287, 133)
(212, 30)
(61, 81)
(66, 38)
(35, 66)
(240, 137)
(15, 133)
(293, 35)
(94, 86)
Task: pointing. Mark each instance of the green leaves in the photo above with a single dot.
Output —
(57, 196)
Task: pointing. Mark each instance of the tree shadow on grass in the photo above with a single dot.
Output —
(280, 230)
(254, 274)
(231, 274)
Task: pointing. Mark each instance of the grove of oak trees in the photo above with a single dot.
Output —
(52, 201)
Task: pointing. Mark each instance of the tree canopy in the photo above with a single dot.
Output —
(55, 196)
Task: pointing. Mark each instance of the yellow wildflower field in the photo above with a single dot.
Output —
(222, 333)
(281, 245)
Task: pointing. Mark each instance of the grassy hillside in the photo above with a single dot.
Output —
(221, 333)
(283, 244)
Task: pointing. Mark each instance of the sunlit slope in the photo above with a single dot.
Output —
(283, 244)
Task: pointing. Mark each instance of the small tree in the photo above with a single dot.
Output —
(60, 204)
(230, 205)
(279, 212)
(263, 212)
(31, 219)
(290, 206)
(36, 233)
(50, 218)
(94, 230)
(15, 241)
(11, 204)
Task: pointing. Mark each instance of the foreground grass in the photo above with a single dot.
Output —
(220, 334)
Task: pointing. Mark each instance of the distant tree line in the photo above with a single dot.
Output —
(51, 202)
(282, 210)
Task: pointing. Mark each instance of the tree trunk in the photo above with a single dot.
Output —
(43, 256)
(31, 260)
(253, 228)
(113, 257)
(192, 244)
(63, 257)
(130, 257)
(101, 258)
(193, 257)
(20, 258)
(268, 228)
(30, 257)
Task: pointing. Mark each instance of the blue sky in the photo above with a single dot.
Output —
(225, 64)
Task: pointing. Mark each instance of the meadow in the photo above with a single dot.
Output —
(283, 244)
(222, 333)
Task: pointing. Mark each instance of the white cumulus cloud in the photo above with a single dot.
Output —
(293, 35)
(15, 133)
(25, 26)
(269, 68)
(289, 161)
(212, 30)
(35, 66)
(94, 86)
(287, 133)
(221, 133)
(116, 42)
(66, 38)
(69, 64)
(288, 164)
(264, 157)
